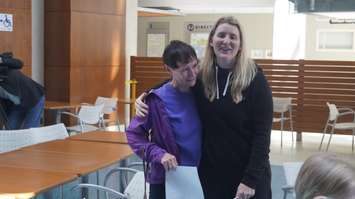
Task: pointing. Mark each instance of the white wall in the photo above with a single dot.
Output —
(131, 45)
(38, 41)
(315, 23)
(258, 28)
(289, 32)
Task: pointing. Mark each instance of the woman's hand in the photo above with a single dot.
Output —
(244, 192)
(168, 161)
(141, 107)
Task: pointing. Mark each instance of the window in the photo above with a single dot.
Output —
(196, 33)
(199, 42)
(335, 40)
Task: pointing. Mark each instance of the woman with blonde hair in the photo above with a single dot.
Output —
(324, 176)
(235, 107)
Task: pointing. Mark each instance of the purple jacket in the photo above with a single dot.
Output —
(151, 146)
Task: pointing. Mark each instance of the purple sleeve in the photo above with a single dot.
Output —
(138, 138)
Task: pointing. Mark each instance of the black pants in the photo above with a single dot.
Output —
(223, 183)
(157, 191)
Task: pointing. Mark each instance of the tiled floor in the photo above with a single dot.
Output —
(299, 151)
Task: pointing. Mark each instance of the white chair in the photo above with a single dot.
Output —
(88, 117)
(134, 190)
(334, 114)
(15, 139)
(291, 170)
(281, 106)
(49, 133)
(110, 107)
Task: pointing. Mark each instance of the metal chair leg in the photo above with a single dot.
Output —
(324, 132)
(352, 146)
(331, 135)
(291, 124)
(285, 194)
(282, 128)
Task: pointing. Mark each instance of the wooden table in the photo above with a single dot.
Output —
(21, 183)
(70, 156)
(101, 136)
(56, 105)
(33, 169)
(59, 107)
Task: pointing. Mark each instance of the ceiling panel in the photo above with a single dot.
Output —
(212, 6)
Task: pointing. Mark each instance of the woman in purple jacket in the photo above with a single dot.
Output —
(170, 134)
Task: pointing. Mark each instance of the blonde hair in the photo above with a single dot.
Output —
(327, 175)
(243, 72)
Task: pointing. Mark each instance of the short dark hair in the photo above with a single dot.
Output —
(178, 51)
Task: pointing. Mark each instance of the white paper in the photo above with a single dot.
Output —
(183, 183)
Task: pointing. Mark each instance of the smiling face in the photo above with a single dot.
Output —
(226, 43)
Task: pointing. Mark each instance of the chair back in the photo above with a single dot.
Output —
(135, 187)
(49, 133)
(110, 104)
(14, 139)
(281, 104)
(90, 114)
(333, 111)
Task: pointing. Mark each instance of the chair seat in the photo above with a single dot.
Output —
(345, 125)
(277, 119)
(86, 128)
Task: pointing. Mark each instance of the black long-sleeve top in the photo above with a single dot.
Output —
(237, 136)
(16, 83)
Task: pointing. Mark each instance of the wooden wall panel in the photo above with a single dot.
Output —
(27, 70)
(57, 87)
(58, 6)
(19, 41)
(57, 39)
(112, 7)
(97, 40)
(57, 55)
(89, 82)
(310, 83)
(87, 49)
(15, 4)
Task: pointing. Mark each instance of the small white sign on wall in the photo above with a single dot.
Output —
(6, 22)
(155, 44)
(257, 54)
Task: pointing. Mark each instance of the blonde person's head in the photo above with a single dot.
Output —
(244, 69)
(326, 175)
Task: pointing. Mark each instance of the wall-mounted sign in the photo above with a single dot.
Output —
(196, 33)
(199, 26)
(6, 22)
(155, 44)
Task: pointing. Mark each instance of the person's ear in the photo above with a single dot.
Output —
(210, 43)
